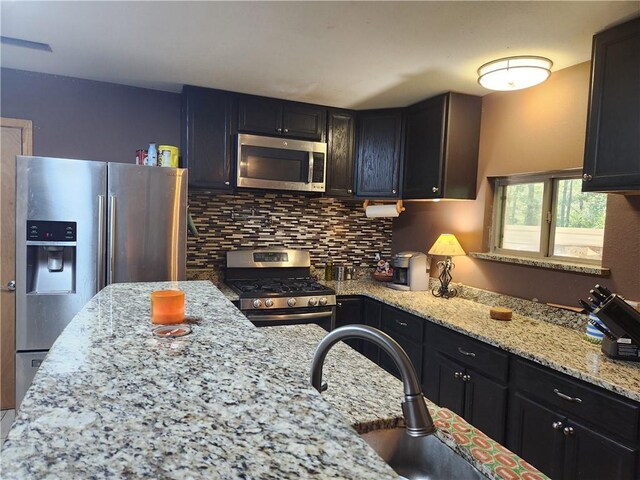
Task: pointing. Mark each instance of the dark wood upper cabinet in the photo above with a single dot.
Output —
(341, 132)
(379, 153)
(441, 147)
(260, 115)
(612, 152)
(208, 126)
(271, 116)
(304, 121)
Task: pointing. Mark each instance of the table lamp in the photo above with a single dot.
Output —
(446, 245)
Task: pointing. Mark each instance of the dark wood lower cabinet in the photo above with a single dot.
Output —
(349, 311)
(564, 448)
(486, 404)
(371, 316)
(449, 388)
(512, 400)
(591, 456)
(413, 351)
(474, 396)
(533, 437)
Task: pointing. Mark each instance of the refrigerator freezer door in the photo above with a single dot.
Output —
(147, 223)
(27, 365)
(54, 278)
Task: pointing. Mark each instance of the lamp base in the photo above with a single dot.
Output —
(445, 279)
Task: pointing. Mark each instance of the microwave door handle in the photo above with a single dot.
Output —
(310, 179)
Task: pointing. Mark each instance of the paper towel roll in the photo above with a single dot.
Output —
(378, 211)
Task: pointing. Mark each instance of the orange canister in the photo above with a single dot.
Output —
(170, 159)
(167, 307)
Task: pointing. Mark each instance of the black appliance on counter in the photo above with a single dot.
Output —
(622, 336)
(275, 288)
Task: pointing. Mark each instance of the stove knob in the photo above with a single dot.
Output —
(268, 302)
(313, 301)
(291, 302)
(257, 303)
(323, 301)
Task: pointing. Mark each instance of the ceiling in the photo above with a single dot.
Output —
(344, 54)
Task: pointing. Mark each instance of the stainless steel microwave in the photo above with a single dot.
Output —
(281, 164)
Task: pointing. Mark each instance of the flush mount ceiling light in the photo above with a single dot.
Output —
(514, 73)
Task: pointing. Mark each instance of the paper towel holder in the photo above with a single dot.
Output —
(399, 206)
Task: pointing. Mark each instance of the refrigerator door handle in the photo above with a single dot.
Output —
(100, 273)
(112, 239)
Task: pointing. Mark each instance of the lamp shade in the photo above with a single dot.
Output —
(447, 245)
(514, 73)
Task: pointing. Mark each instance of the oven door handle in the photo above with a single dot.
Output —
(290, 316)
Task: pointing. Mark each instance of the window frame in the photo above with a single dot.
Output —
(549, 211)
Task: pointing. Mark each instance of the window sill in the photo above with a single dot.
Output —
(544, 263)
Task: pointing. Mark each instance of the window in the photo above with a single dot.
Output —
(548, 215)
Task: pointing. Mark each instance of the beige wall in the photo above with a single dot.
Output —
(533, 130)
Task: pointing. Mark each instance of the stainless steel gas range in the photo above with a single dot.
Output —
(275, 288)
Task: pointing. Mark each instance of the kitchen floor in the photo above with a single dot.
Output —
(8, 416)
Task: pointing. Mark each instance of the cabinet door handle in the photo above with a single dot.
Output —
(557, 425)
(339, 304)
(402, 324)
(434, 189)
(278, 130)
(393, 191)
(457, 375)
(566, 397)
(568, 431)
(587, 177)
(349, 191)
(466, 377)
(226, 183)
(286, 130)
(464, 352)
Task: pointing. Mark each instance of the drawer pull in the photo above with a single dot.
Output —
(466, 377)
(557, 425)
(567, 397)
(457, 375)
(568, 431)
(464, 352)
(402, 324)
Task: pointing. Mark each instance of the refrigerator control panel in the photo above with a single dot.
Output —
(47, 231)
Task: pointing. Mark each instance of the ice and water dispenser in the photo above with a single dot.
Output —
(51, 257)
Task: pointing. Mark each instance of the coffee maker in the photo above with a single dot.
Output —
(410, 271)
(622, 334)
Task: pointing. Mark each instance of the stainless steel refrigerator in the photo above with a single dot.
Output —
(81, 225)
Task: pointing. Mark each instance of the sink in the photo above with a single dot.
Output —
(421, 458)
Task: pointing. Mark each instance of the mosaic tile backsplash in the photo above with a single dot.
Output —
(327, 227)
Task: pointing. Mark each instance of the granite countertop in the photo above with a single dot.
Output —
(111, 400)
(369, 399)
(558, 347)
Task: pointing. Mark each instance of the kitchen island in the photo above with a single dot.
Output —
(113, 401)
(227, 401)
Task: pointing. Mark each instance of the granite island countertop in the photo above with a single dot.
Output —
(558, 347)
(113, 401)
